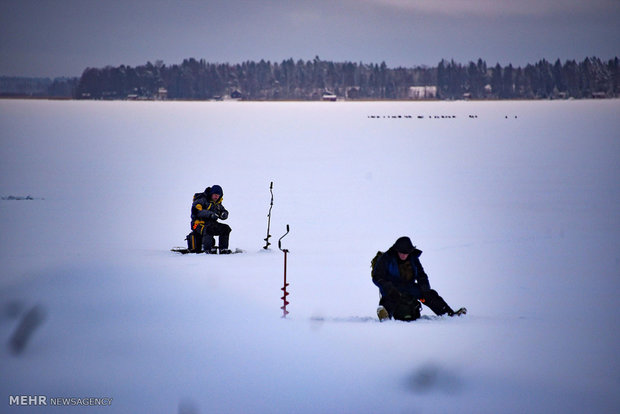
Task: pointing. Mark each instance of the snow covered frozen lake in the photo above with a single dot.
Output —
(514, 204)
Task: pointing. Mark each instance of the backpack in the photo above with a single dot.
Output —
(373, 262)
(194, 239)
(196, 195)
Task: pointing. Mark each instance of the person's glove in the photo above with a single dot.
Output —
(224, 215)
(461, 311)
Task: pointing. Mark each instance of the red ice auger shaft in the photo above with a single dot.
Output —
(284, 311)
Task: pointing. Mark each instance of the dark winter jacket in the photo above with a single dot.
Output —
(396, 277)
(204, 210)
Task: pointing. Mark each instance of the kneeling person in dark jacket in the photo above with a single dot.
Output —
(207, 208)
(403, 284)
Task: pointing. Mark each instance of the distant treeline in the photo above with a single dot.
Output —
(313, 80)
(20, 87)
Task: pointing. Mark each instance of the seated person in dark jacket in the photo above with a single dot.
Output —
(403, 284)
(207, 208)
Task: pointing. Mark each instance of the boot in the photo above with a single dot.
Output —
(382, 313)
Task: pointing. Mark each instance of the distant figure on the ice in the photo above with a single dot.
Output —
(403, 284)
(207, 208)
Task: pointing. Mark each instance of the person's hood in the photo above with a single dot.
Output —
(404, 245)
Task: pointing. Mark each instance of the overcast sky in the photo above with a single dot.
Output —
(63, 37)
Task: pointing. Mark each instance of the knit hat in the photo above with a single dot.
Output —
(404, 245)
(216, 189)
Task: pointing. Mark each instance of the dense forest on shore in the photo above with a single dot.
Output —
(316, 79)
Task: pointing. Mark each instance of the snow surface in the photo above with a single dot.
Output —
(515, 205)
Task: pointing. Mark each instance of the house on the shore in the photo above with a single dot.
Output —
(422, 92)
(329, 96)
